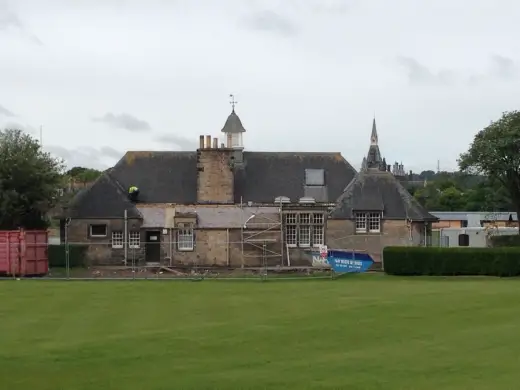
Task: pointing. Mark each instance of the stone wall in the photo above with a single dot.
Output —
(341, 234)
(100, 251)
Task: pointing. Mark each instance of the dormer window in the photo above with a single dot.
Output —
(368, 222)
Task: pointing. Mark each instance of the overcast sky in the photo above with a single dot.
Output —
(106, 76)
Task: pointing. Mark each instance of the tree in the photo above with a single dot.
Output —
(495, 152)
(83, 175)
(29, 180)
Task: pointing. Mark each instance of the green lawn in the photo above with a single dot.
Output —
(359, 332)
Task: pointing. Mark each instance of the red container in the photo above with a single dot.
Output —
(24, 252)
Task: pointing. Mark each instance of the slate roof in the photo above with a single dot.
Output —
(171, 177)
(105, 198)
(233, 124)
(376, 190)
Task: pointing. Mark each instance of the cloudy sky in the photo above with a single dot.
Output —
(106, 76)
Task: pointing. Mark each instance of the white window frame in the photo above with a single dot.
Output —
(185, 239)
(117, 239)
(291, 229)
(134, 239)
(374, 222)
(98, 235)
(367, 222)
(304, 229)
(361, 222)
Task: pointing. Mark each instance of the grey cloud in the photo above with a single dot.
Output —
(176, 141)
(4, 111)
(420, 74)
(270, 21)
(85, 156)
(124, 121)
(18, 126)
(503, 67)
(8, 19)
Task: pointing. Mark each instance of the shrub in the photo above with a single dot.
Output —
(451, 261)
(506, 240)
(57, 258)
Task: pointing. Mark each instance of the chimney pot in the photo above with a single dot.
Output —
(201, 142)
(215, 143)
(208, 142)
(222, 145)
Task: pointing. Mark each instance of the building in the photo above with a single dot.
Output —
(376, 210)
(222, 205)
(463, 219)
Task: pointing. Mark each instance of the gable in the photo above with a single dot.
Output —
(103, 199)
(375, 190)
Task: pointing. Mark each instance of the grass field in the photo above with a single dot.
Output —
(360, 332)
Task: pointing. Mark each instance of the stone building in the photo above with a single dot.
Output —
(218, 205)
(223, 206)
(375, 209)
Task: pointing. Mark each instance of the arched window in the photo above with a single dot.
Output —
(463, 240)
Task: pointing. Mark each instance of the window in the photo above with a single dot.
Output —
(304, 229)
(464, 223)
(185, 239)
(98, 230)
(117, 240)
(314, 177)
(318, 235)
(134, 240)
(463, 240)
(368, 222)
(374, 222)
(361, 222)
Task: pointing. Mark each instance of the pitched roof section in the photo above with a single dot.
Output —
(233, 124)
(375, 190)
(267, 175)
(171, 177)
(105, 198)
(162, 177)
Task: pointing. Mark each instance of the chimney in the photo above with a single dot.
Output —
(222, 145)
(215, 173)
(201, 142)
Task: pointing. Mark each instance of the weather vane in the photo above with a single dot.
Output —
(233, 102)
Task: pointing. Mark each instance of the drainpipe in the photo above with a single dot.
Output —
(126, 236)
(227, 246)
(171, 247)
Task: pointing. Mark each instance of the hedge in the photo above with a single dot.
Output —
(506, 240)
(451, 261)
(76, 256)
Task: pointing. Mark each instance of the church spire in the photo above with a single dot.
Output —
(373, 136)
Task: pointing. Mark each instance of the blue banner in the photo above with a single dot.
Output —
(349, 261)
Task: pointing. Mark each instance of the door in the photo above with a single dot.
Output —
(153, 246)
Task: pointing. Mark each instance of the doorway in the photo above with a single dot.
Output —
(153, 246)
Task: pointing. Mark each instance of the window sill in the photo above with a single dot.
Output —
(292, 245)
(91, 236)
(305, 245)
(185, 250)
(117, 247)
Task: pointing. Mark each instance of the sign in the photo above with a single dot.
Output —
(324, 251)
(349, 261)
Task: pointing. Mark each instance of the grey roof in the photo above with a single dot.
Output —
(171, 177)
(233, 217)
(376, 190)
(105, 198)
(233, 124)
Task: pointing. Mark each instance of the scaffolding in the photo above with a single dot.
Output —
(262, 237)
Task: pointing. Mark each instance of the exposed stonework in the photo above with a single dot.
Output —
(215, 178)
(341, 234)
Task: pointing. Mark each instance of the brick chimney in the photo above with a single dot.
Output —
(215, 177)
